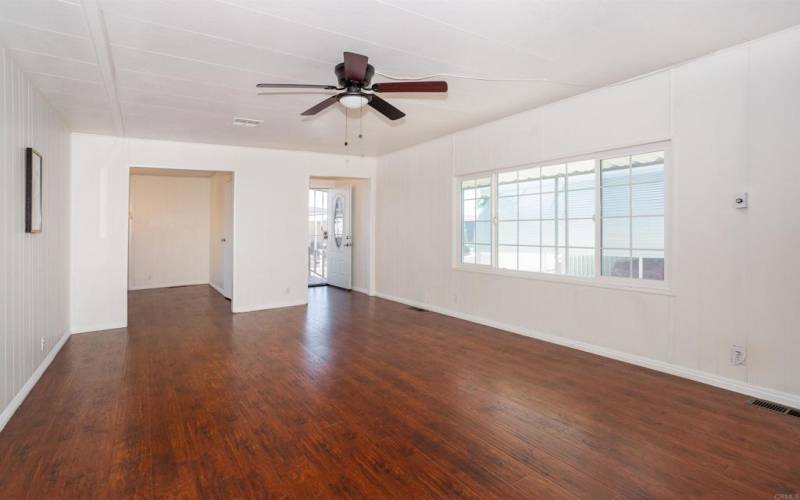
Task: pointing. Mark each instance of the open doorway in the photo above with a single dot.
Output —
(180, 229)
(339, 232)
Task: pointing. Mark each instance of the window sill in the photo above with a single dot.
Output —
(655, 289)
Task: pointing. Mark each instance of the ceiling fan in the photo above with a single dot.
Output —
(355, 75)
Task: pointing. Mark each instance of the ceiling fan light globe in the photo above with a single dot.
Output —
(353, 101)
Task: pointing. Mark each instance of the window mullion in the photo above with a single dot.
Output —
(495, 226)
(598, 219)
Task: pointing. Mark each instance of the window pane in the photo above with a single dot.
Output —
(548, 206)
(615, 171)
(507, 233)
(616, 201)
(548, 260)
(616, 263)
(469, 210)
(581, 233)
(507, 257)
(529, 207)
(483, 192)
(530, 173)
(648, 232)
(648, 199)
(483, 208)
(468, 184)
(483, 181)
(468, 254)
(581, 262)
(506, 189)
(581, 174)
(469, 194)
(561, 206)
(507, 208)
(562, 233)
(468, 234)
(529, 187)
(529, 233)
(484, 254)
(548, 233)
(550, 174)
(580, 204)
(647, 167)
(650, 264)
(529, 259)
(617, 233)
(507, 177)
(483, 232)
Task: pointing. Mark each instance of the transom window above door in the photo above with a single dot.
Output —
(600, 218)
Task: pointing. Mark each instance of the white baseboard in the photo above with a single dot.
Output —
(217, 288)
(166, 285)
(273, 305)
(360, 290)
(98, 328)
(715, 380)
(15, 403)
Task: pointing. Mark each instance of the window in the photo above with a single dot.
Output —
(633, 216)
(587, 218)
(476, 221)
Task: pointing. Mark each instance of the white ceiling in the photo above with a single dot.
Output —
(182, 69)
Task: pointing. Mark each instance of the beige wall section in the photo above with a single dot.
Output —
(732, 119)
(34, 268)
(361, 234)
(169, 231)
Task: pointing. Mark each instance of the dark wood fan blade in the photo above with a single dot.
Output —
(294, 86)
(330, 101)
(355, 67)
(385, 108)
(410, 87)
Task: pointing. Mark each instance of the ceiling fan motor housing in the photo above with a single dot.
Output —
(343, 82)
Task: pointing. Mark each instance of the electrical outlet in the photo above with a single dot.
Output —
(738, 355)
(42, 344)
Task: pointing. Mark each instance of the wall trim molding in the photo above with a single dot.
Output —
(98, 328)
(712, 379)
(271, 305)
(217, 288)
(23, 392)
(360, 290)
(167, 285)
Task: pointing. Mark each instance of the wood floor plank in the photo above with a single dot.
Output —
(354, 397)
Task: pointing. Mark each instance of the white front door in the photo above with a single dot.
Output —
(227, 238)
(340, 237)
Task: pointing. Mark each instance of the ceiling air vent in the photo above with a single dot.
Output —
(247, 122)
(769, 405)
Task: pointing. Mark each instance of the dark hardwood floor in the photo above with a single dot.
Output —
(360, 397)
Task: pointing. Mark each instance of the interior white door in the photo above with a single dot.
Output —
(340, 237)
(227, 238)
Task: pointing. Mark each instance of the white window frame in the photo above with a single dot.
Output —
(598, 280)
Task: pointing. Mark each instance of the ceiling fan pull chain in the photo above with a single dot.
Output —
(345, 126)
(361, 122)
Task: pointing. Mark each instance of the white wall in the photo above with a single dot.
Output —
(270, 214)
(362, 210)
(170, 231)
(34, 268)
(733, 120)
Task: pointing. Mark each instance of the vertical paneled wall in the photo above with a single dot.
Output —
(34, 268)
